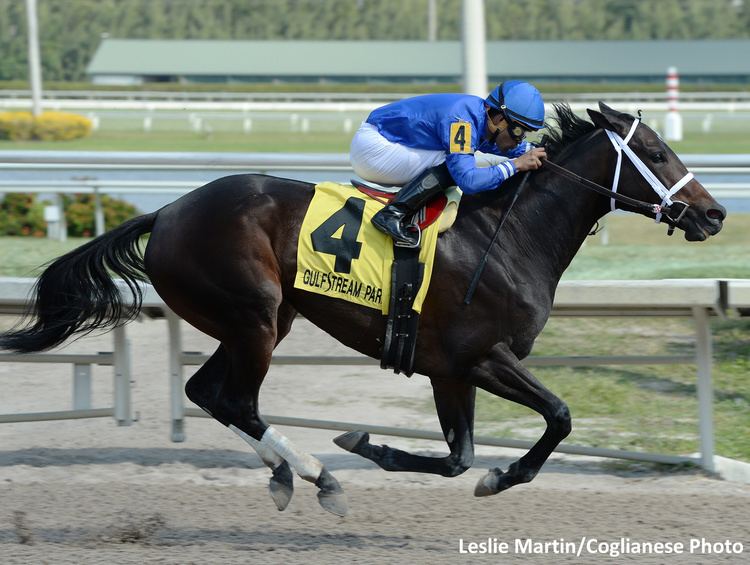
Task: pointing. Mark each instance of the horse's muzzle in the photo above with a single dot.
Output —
(699, 224)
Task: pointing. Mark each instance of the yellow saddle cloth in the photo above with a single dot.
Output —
(342, 255)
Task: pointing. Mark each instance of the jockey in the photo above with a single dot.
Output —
(427, 144)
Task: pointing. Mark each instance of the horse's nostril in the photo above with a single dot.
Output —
(715, 214)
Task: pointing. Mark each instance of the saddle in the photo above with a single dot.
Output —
(400, 340)
(442, 208)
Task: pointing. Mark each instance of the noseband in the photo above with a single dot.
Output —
(668, 208)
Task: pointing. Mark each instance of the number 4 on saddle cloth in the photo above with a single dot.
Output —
(342, 255)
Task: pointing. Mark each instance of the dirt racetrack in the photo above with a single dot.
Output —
(87, 491)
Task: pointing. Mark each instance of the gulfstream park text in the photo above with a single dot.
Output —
(330, 282)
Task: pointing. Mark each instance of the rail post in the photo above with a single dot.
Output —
(81, 386)
(673, 119)
(703, 361)
(176, 404)
(123, 409)
(98, 213)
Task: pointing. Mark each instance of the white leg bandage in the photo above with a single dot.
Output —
(267, 455)
(307, 466)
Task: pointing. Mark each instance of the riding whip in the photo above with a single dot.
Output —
(483, 262)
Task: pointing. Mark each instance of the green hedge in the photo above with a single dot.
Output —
(79, 213)
(23, 214)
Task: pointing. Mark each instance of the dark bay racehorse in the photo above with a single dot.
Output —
(223, 257)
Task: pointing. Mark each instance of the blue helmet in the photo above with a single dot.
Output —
(519, 101)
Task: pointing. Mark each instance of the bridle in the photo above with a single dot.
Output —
(667, 211)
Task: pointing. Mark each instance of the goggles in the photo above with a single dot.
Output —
(516, 131)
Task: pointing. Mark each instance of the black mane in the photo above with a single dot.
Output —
(569, 128)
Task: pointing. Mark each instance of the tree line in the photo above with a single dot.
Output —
(71, 30)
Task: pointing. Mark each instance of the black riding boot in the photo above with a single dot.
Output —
(412, 196)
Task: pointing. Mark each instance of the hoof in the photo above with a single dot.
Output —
(487, 485)
(334, 502)
(281, 486)
(351, 440)
(331, 496)
(497, 481)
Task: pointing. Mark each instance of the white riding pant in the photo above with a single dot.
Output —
(375, 159)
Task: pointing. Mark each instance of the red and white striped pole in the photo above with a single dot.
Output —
(673, 120)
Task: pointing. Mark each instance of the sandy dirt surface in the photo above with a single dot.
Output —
(88, 491)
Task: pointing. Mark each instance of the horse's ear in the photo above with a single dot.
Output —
(611, 119)
(600, 120)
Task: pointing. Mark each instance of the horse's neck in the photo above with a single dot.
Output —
(556, 215)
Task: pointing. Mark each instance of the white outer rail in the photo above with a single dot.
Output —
(127, 160)
(35, 161)
(696, 299)
(719, 190)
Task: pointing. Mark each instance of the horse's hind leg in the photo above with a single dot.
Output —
(203, 388)
(235, 404)
(502, 374)
(454, 402)
(281, 484)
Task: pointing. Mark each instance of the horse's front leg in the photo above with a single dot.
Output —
(501, 373)
(454, 402)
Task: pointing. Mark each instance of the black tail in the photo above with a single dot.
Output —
(76, 294)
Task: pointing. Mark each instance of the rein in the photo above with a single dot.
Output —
(604, 191)
(483, 261)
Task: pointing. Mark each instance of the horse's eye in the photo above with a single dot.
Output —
(658, 157)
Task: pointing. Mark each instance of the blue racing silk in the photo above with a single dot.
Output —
(454, 123)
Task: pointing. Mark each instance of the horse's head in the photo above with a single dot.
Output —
(652, 172)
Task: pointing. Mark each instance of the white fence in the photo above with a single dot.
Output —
(36, 163)
(696, 299)
(30, 162)
(14, 294)
(219, 96)
(293, 102)
(336, 112)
